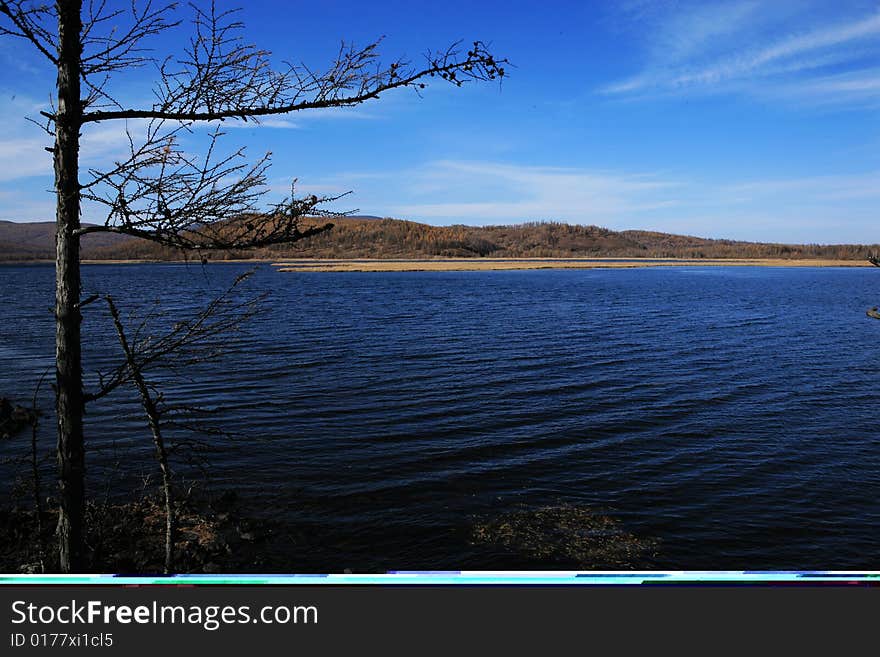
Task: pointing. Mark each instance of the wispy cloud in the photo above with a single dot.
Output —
(817, 208)
(267, 122)
(744, 46)
(858, 87)
(27, 157)
(812, 208)
(23, 158)
(810, 189)
(480, 192)
(17, 205)
(302, 119)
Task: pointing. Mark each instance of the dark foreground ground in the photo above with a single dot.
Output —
(216, 537)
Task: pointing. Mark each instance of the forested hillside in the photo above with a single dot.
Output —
(366, 237)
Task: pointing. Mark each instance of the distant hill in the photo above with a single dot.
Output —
(36, 241)
(372, 237)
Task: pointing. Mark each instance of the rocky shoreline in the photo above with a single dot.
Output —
(128, 538)
(217, 536)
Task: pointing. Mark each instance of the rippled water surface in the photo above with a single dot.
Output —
(729, 413)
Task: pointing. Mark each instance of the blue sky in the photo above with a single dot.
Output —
(743, 119)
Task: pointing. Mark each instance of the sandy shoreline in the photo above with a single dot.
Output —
(497, 264)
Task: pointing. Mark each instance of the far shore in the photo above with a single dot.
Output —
(480, 264)
(487, 264)
(132, 261)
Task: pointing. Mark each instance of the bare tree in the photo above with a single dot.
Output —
(35, 472)
(188, 342)
(160, 192)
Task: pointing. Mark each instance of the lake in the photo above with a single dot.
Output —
(729, 413)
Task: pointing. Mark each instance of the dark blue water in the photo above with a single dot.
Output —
(728, 413)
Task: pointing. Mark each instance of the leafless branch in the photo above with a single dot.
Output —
(31, 21)
(164, 194)
(119, 49)
(151, 408)
(187, 342)
(221, 76)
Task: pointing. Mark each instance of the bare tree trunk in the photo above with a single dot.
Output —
(35, 472)
(219, 76)
(69, 392)
(152, 412)
(38, 492)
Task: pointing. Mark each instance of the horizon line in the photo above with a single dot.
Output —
(535, 222)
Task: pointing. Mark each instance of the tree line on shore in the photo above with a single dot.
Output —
(357, 237)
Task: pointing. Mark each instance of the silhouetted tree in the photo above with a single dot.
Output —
(159, 192)
(188, 342)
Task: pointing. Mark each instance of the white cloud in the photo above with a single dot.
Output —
(298, 120)
(813, 208)
(742, 46)
(859, 86)
(818, 208)
(23, 158)
(691, 32)
(809, 190)
(481, 192)
(267, 122)
(18, 206)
